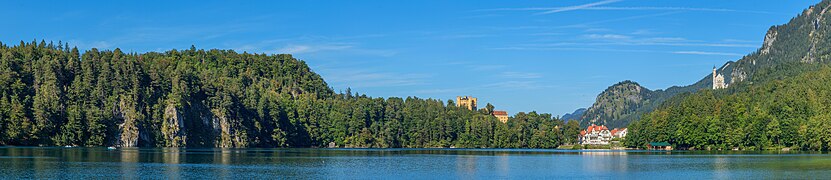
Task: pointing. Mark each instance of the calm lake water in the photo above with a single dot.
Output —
(100, 163)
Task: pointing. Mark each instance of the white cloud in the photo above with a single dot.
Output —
(674, 9)
(299, 49)
(486, 67)
(643, 32)
(578, 7)
(294, 49)
(608, 36)
(595, 6)
(441, 91)
(368, 78)
(520, 75)
(515, 85)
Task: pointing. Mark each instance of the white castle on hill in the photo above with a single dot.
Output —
(718, 80)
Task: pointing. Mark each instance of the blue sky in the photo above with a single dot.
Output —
(544, 56)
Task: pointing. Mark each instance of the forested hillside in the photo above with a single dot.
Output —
(805, 39)
(616, 104)
(51, 94)
(777, 97)
(626, 101)
(793, 112)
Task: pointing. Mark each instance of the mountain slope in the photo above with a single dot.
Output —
(617, 103)
(576, 115)
(626, 101)
(777, 97)
(788, 50)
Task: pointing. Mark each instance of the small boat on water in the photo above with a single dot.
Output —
(110, 148)
(68, 146)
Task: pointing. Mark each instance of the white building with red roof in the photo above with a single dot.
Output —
(619, 133)
(595, 135)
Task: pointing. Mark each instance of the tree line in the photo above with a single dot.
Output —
(53, 95)
(789, 112)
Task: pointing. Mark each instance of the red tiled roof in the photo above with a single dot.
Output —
(596, 128)
(500, 113)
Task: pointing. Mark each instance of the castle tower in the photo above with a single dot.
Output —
(466, 102)
(718, 80)
(714, 75)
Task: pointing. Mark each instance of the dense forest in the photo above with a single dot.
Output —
(53, 95)
(778, 97)
(793, 112)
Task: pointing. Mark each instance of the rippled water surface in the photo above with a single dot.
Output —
(100, 163)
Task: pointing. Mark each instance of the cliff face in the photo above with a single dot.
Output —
(788, 49)
(128, 134)
(173, 127)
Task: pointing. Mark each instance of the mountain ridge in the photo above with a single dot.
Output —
(803, 40)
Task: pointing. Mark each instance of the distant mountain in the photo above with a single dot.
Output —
(576, 115)
(788, 50)
(617, 105)
(626, 101)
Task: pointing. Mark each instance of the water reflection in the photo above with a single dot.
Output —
(466, 165)
(503, 164)
(174, 163)
(170, 156)
(129, 163)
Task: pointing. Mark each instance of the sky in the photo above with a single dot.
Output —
(545, 56)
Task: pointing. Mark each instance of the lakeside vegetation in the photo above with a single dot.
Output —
(54, 95)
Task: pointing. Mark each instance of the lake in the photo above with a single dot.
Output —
(164, 163)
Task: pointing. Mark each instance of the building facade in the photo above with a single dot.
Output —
(501, 115)
(619, 133)
(718, 80)
(468, 102)
(595, 135)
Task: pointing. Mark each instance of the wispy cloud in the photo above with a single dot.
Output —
(578, 7)
(607, 40)
(573, 49)
(676, 9)
(475, 66)
(707, 53)
(608, 36)
(520, 75)
(518, 85)
(442, 91)
(644, 32)
(89, 45)
(367, 78)
(486, 67)
(617, 50)
(596, 6)
(307, 44)
(465, 36)
(740, 41)
(299, 49)
(547, 34)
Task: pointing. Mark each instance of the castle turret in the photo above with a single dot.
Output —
(718, 80)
